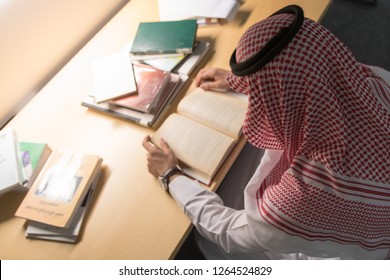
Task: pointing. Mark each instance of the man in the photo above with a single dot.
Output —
(322, 188)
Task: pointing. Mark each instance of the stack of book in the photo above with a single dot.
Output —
(59, 186)
(151, 74)
(56, 203)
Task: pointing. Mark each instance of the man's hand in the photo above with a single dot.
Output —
(159, 160)
(212, 78)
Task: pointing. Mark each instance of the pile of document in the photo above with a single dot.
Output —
(141, 83)
(206, 12)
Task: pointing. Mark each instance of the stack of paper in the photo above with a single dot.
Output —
(205, 11)
(162, 56)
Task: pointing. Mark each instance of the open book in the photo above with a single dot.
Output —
(203, 131)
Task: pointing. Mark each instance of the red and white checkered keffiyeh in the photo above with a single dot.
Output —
(315, 102)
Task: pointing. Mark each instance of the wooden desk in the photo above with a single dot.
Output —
(130, 217)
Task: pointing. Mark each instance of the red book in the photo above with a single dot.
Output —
(151, 83)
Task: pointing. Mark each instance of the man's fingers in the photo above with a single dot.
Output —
(148, 145)
(164, 146)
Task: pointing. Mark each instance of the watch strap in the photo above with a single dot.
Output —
(172, 171)
(164, 178)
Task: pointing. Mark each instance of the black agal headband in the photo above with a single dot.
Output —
(273, 46)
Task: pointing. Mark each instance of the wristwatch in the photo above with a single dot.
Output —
(163, 179)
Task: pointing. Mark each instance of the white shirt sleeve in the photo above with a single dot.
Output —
(226, 227)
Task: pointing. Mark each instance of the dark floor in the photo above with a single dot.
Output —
(364, 26)
(189, 250)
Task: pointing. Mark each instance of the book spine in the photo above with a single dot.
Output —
(161, 52)
(117, 114)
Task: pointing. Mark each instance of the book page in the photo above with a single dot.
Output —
(113, 77)
(218, 110)
(194, 144)
(175, 10)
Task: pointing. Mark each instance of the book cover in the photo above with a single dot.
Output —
(33, 158)
(11, 172)
(151, 82)
(165, 37)
(60, 188)
(113, 77)
(37, 230)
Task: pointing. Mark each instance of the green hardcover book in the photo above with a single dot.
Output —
(165, 37)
